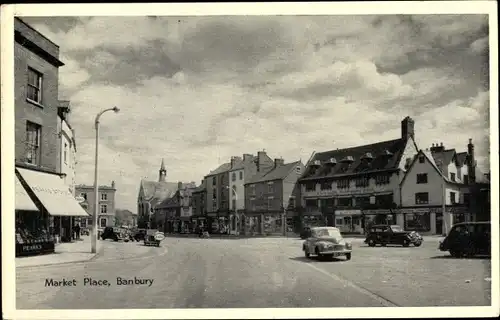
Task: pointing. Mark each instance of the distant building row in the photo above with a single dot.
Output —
(386, 182)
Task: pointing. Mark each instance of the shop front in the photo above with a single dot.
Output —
(252, 224)
(41, 200)
(349, 221)
(379, 216)
(273, 224)
(430, 220)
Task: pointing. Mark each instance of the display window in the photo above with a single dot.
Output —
(272, 224)
(252, 225)
(32, 233)
(418, 222)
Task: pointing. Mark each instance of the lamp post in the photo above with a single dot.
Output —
(96, 186)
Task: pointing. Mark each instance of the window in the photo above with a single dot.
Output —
(104, 208)
(343, 184)
(34, 86)
(298, 169)
(326, 186)
(233, 176)
(269, 203)
(339, 222)
(310, 186)
(362, 201)
(33, 132)
(104, 196)
(384, 200)
(270, 188)
(252, 189)
(467, 199)
(453, 198)
(83, 195)
(453, 177)
(344, 202)
(234, 204)
(214, 181)
(65, 153)
(382, 179)
(421, 198)
(102, 222)
(421, 159)
(241, 175)
(214, 205)
(466, 179)
(311, 203)
(421, 178)
(362, 182)
(291, 202)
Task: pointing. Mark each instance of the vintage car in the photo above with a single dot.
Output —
(326, 242)
(139, 234)
(305, 233)
(468, 239)
(392, 234)
(115, 234)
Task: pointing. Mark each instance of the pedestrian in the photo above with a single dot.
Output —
(77, 231)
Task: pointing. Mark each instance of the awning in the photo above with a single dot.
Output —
(23, 200)
(52, 193)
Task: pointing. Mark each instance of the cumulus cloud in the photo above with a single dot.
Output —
(197, 90)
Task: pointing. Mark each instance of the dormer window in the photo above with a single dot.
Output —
(315, 164)
(298, 169)
(331, 162)
(367, 156)
(348, 159)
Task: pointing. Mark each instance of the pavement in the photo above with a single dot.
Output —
(257, 273)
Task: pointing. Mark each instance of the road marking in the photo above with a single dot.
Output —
(385, 302)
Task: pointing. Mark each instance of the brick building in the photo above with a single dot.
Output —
(174, 215)
(107, 213)
(42, 196)
(199, 207)
(353, 187)
(270, 198)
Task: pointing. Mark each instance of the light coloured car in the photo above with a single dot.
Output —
(327, 242)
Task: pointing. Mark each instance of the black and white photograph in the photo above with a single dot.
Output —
(220, 160)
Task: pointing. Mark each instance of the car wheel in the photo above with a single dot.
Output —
(456, 253)
(406, 243)
(348, 256)
(417, 244)
(372, 243)
(318, 254)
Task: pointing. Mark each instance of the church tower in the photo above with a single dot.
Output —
(163, 172)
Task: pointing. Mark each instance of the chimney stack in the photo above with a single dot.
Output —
(247, 157)
(278, 162)
(407, 128)
(113, 184)
(471, 163)
(179, 185)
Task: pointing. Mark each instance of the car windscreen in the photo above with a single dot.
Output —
(334, 233)
(396, 228)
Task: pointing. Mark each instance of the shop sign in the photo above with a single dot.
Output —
(377, 211)
(51, 190)
(32, 247)
(350, 191)
(347, 212)
(416, 210)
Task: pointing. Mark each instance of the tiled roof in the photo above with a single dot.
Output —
(461, 158)
(445, 156)
(276, 173)
(386, 155)
(156, 192)
(173, 200)
(221, 169)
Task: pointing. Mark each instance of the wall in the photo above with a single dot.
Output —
(239, 186)
(110, 202)
(434, 186)
(211, 190)
(371, 189)
(408, 153)
(44, 114)
(290, 186)
(261, 196)
(68, 166)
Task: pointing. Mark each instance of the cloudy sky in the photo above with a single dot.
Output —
(196, 90)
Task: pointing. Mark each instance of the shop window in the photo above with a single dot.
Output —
(311, 186)
(104, 208)
(32, 143)
(241, 175)
(344, 202)
(421, 198)
(421, 178)
(34, 86)
(102, 222)
(326, 186)
(339, 222)
(418, 222)
(104, 196)
(453, 177)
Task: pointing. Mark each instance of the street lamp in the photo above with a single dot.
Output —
(96, 187)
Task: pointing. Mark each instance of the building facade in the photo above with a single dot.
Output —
(270, 198)
(199, 207)
(174, 215)
(439, 179)
(43, 193)
(152, 193)
(125, 218)
(106, 210)
(225, 196)
(356, 187)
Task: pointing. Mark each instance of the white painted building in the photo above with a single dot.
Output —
(435, 178)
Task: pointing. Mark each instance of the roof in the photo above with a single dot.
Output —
(200, 188)
(461, 158)
(173, 201)
(481, 177)
(221, 169)
(381, 159)
(155, 192)
(276, 173)
(240, 163)
(445, 156)
(430, 158)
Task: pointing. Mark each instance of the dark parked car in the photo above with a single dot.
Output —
(115, 234)
(305, 233)
(392, 234)
(139, 234)
(468, 239)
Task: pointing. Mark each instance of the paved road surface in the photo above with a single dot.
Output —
(216, 273)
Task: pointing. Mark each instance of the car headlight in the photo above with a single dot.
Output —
(348, 245)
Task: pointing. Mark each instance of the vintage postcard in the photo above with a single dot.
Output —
(254, 160)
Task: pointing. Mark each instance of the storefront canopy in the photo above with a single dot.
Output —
(23, 200)
(52, 193)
